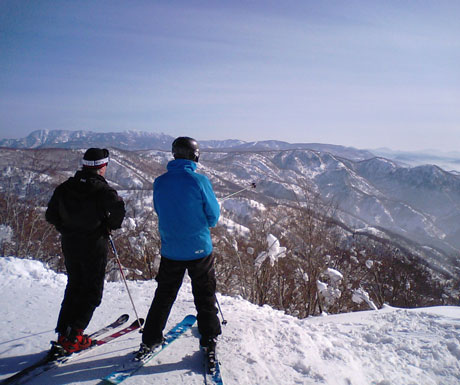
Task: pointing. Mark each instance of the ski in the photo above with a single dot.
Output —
(55, 358)
(131, 367)
(212, 373)
(120, 321)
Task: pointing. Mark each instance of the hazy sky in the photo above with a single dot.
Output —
(363, 73)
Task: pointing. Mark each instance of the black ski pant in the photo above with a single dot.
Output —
(85, 261)
(169, 278)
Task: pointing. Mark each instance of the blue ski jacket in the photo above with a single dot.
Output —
(187, 207)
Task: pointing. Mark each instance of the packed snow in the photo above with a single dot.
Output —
(259, 345)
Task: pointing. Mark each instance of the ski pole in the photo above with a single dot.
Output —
(253, 185)
(224, 321)
(124, 280)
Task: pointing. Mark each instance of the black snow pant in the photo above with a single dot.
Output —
(169, 278)
(85, 261)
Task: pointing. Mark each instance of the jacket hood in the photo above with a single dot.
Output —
(85, 183)
(181, 164)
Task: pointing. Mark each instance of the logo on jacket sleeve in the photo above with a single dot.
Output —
(199, 251)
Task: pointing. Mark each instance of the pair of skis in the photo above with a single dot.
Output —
(212, 377)
(56, 356)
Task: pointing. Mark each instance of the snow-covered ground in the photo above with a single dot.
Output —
(259, 345)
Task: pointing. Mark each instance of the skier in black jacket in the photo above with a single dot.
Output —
(84, 209)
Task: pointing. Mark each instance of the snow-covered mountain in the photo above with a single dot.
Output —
(258, 345)
(420, 204)
(138, 140)
(418, 208)
(270, 145)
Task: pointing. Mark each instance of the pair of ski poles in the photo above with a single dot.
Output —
(252, 185)
(224, 321)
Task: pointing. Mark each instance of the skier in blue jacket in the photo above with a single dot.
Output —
(186, 207)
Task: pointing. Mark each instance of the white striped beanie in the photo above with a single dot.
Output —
(96, 158)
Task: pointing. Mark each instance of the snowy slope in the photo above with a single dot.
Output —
(259, 345)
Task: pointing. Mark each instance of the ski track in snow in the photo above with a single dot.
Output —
(259, 345)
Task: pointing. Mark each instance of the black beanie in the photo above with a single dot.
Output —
(96, 158)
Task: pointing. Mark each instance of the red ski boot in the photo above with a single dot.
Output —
(75, 342)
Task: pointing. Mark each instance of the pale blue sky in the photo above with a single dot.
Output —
(364, 73)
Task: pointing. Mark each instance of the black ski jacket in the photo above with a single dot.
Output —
(85, 204)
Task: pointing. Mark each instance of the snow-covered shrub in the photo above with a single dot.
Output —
(360, 296)
(6, 234)
(273, 253)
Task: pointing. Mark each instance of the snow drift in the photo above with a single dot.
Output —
(259, 345)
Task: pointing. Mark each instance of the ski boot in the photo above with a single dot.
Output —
(208, 346)
(74, 341)
(146, 350)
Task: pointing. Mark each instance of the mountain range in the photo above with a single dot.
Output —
(415, 207)
(138, 140)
